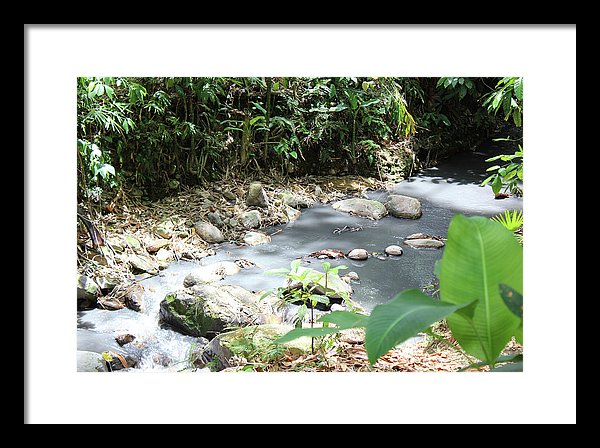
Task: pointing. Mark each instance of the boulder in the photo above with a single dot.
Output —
(294, 201)
(256, 238)
(215, 219)
(393, 250)
(90, 362)
(257, 196)
(156, 244)
(87, 293)
(133, 243)
(208, 232)
(123, 339)
(250, 219)
(402, 206)
(207, 309)
(141, 263)
(292, 213)
(424, 242)
(358, 254)
(134, 297)
(211, 273)
(247, 343)
(361, 207)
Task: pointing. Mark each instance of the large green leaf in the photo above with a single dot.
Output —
(404, 316)
(343, 320)
(479, 255)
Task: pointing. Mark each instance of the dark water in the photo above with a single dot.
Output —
(450, 188)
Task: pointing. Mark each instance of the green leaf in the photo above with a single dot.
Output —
(255, 119)
(479, 255)
(513, 299)
(404, 316)
(517, 119)
(259, 107)
(365, 85)
(107, 357)
(511, 367)
(317, 298)
(370, 102)
(518, 86)
(340, 107)
(345, 319)
(310, 332)
(497, 184)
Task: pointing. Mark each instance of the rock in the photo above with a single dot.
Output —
(318, 191)
(424, 242)
(208, 232)
(351, 277)
(294, 201)
(122, 362)
(257, 196)
(393, 250)
(134, 297)
(250, 219)
(164, 255)
(361, 207)
(207, 309)
(229, 196)
(211, 273)
(358, 254)
(116, 243)
(125, 338)
(166, 228)
(256, 238)
(292, 213)
(337, 307)
(142, 263)
(402, 206)
(234, 222)
(134, 244)
(245, 343)
(156, 244)
(215, 219)
(87, 293)
(90, 362)
(107, 284)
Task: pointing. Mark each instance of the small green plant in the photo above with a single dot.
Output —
(303, 282)
(511, 219)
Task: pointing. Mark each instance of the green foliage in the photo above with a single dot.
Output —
(479, 255)
(508, 175)
(481, 270)
(508, 98)
(511, 219)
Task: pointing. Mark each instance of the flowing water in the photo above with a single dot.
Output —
(451, 187)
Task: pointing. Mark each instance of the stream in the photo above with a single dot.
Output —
(449, 188)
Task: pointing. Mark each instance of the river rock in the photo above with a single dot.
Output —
(424, 242)
(292, 213)
(232, 345)
(90, 362)
(256, 238)
(134, 244)
(142, 263)
(156, 244)
(207, 309)
(106, 284)
(250, 219)
(134, 297)
(361, 207)
(257, 196)
(351, 277)
(87, 293)
(402, 206)
(294, 200)
(215, 219)
(213, 272)
(164, 255)
(165, 228)
(358, 254)
(393, 250)
(208, 232)
(123, 339)
(229, 195)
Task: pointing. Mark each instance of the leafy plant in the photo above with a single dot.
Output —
(508, 175)
(508, 98)
(511, 219)
(481, 269)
